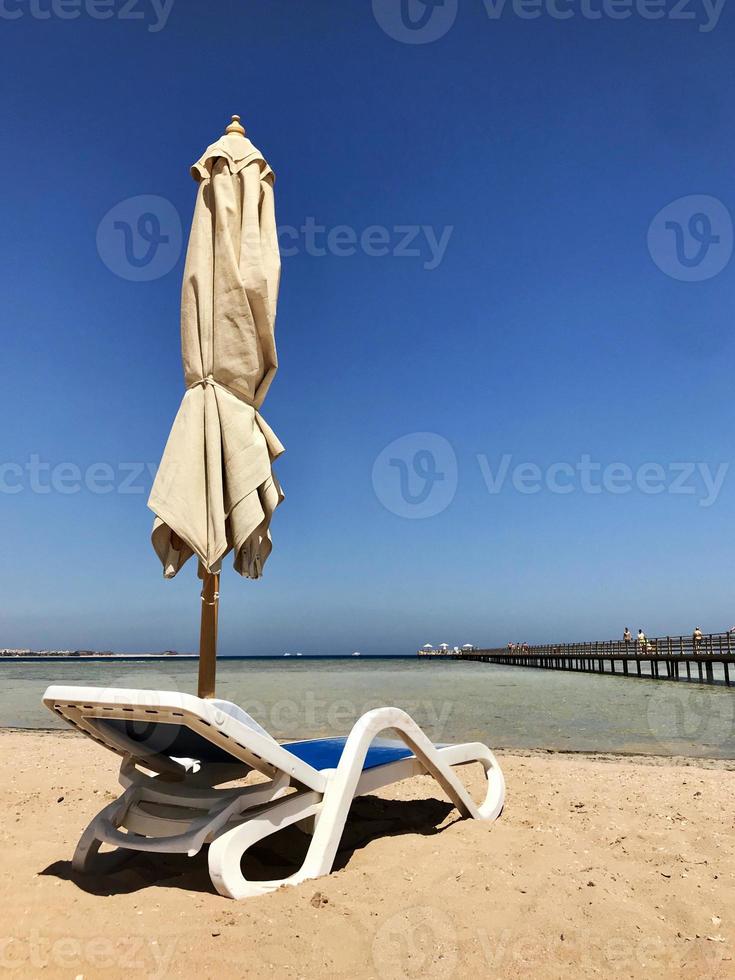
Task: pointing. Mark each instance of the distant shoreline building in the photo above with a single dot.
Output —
(9, 654)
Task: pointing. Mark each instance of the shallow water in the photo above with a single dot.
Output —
(507, 707)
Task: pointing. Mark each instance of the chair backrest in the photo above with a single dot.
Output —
(157, 727)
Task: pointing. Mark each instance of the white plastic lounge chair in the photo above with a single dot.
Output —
(177, 749)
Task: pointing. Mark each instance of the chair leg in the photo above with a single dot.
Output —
(86, 859)
(343, 784)
(227, 851)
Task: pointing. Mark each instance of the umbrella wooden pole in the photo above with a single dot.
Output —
(208, 635)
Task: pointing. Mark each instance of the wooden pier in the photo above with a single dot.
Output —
(663, 658)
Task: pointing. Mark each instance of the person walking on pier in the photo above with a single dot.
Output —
(641, 640)
(626, 639)
(697, 640)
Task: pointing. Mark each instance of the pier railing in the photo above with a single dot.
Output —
(710, 644)
(701, 658)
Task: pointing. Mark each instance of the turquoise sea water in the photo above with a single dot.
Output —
(507, 707)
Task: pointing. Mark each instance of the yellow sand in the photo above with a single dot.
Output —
(597, 867)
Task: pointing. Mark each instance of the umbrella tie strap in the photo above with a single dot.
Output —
(209, 380)
(215, 599)
(274, 446)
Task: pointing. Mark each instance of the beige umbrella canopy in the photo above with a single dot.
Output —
(215, 491)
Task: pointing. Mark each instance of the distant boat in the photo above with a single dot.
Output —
(299, 654)
(287, 655)
(357, 654)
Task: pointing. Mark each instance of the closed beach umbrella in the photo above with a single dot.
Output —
(215, 490)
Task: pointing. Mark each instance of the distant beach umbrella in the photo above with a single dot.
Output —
(215, 490)
(427, 646)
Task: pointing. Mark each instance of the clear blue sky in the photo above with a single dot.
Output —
(551, 327)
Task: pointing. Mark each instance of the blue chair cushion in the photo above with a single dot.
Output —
(162, 738)
(325, 753)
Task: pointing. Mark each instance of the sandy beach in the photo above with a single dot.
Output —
(598, 866)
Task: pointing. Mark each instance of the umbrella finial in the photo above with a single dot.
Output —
(235, 127)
